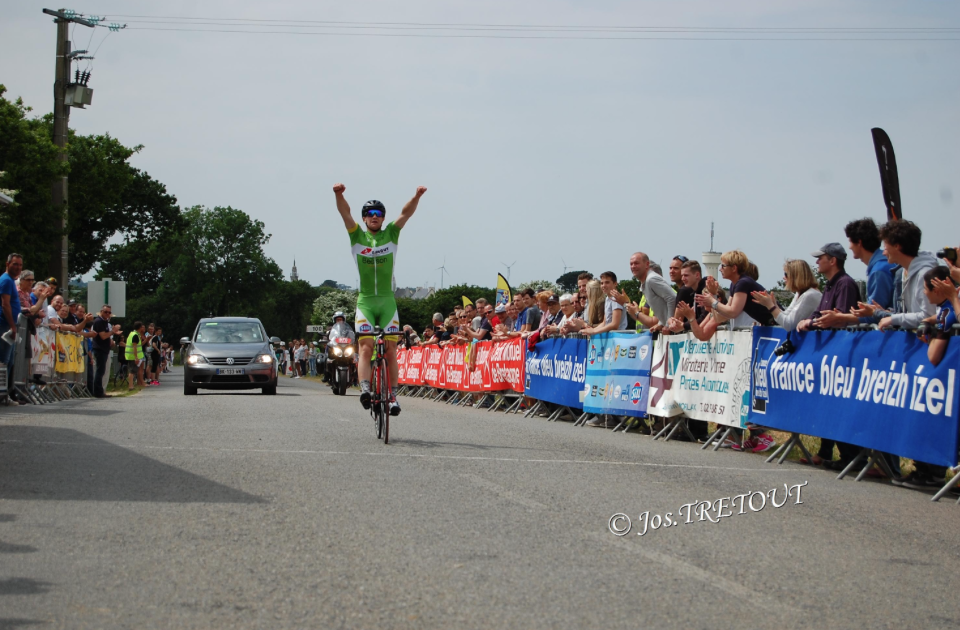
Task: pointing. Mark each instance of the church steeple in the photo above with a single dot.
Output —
(293, 274)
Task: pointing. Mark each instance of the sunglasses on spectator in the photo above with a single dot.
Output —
(374, 213)
(724, 265)
(682, 259)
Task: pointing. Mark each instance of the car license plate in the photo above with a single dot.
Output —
(229, 371)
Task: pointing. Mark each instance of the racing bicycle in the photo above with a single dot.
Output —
(380, 388)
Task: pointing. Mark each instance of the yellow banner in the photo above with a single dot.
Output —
(70, 354)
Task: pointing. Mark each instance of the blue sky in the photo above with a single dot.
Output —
(539, 151)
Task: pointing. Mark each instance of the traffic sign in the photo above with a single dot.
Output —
(316, 329)
(107, 291)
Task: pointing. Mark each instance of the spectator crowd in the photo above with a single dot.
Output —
(142, 355)
(906, 288)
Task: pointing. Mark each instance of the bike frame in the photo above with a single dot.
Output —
(380, 394)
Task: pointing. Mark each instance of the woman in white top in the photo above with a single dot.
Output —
(806, 299)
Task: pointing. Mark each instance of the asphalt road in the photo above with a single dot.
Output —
(242, 510)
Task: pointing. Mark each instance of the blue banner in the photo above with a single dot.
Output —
(875, 390)
(555, 371)
(618, 374)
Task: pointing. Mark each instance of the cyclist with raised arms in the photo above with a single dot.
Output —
(375, 253)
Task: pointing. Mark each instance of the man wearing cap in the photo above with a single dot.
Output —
(841, 293)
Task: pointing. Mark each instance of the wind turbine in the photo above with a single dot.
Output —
(509, 267)
(565, 266)
(442, 269)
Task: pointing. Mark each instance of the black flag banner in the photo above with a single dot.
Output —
(888, 173)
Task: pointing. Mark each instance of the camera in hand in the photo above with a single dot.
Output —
(948, 253)
(784, 348)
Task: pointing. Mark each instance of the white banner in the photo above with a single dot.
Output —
(707, 380)
(44, 345)
(660, 402)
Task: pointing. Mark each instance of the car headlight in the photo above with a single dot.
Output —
(264, 358)
(195, 359)
(337, 352)
(348, 351)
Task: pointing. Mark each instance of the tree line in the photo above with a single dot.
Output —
(180, 264)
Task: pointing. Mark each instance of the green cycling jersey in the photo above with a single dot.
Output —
(375, 255)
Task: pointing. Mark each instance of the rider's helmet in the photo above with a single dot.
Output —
(339, 315)
(373, 204)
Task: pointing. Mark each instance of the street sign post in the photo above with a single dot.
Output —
(316, 329)
(107, 291)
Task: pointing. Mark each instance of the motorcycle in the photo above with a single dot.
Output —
(341, 364)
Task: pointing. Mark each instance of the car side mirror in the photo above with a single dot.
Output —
(274, 339)
(185, 341)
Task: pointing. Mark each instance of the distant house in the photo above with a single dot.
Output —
(419, 293)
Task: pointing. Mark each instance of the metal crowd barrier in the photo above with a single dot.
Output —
(56, 386)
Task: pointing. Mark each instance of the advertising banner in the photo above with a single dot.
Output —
(618, 374)
(874, 390)
(433, 366)
(506, 367)
(478, 379)
(455, 367)
(70, 354)
(479, 367)
(710, 380)
(661, 402)
(556, 371)
(411, 368)
(44, 348)
(402, 356)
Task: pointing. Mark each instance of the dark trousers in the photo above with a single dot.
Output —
(847, 451)
(931, 470)
(101, 356)
(698, 428)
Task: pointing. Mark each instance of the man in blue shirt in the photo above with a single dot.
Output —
(864, 237)
(9, 311)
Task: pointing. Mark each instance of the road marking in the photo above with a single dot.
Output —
(691, 571)
(519, 460)
(502, 492)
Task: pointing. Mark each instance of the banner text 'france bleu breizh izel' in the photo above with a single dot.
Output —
(872, 389)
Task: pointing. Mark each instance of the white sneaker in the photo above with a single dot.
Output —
(10, 402)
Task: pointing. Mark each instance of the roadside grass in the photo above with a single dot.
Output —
(119, 390)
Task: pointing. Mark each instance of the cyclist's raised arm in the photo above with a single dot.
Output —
(410, 207)
(344, 208)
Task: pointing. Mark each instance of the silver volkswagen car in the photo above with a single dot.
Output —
(229, 353)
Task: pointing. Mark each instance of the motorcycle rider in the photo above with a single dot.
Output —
(340, 329)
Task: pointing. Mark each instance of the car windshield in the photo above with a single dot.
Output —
(229, 332)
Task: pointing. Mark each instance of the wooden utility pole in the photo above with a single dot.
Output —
(61, 119)
(59, 267)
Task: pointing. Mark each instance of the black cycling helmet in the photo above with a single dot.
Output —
(373, 204)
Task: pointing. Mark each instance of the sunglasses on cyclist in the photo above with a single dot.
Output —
(378, 214)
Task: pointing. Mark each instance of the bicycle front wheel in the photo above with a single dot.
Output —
(384, 398)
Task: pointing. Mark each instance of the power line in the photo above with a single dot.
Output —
(557, 37)
(272, 22)
(537, 31)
